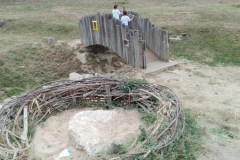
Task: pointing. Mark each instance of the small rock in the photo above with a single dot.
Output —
(75, 76)
(1, 106)
(97, 74)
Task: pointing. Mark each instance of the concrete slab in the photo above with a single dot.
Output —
(158, 65)
(154, 64)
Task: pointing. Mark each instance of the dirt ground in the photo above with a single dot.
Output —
(211, 92)
(51, 137)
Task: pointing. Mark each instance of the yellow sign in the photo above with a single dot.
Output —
(95, 25)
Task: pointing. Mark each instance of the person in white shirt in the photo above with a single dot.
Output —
(125, 19)
(116, 12)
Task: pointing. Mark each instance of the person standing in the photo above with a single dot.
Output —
(116, 13)
(125, 19)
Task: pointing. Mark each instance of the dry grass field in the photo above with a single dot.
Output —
(206, 79)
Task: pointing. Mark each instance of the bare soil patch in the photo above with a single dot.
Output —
(51, 137)
(211, 92)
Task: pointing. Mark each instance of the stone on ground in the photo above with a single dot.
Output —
(75, 76)
(84, 130)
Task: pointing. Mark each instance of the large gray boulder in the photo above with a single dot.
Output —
(85, 131)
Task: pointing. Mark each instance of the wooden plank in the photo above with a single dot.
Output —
(136, 19)
(140, 27)
(166, 46)
(110, 34)
(115, 146)
(98, 32)
(124, 48)
(152, 39)
(130, 24)
(110, 16)
(88, 31)
(118, 22)
(106, 28)
(84, 29)
(147, 31)
(81, 31)
(144, 55)
(143, 130)
(140, 54)
(161, 46)
(121, 40)
(92, 18)
(136, 49)
(109, 99)
(131, 32)
(103, 40)
(25, 127)
(118, 40)
(156, 45)
(114, 43)
(128, 49)
(132, 53)
(158, 42)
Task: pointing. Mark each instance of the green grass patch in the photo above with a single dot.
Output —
(189, 145)
(25, 68)
(149, 119)
(211, 46)
(36, 28)
(28, 8)
(222, 133)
